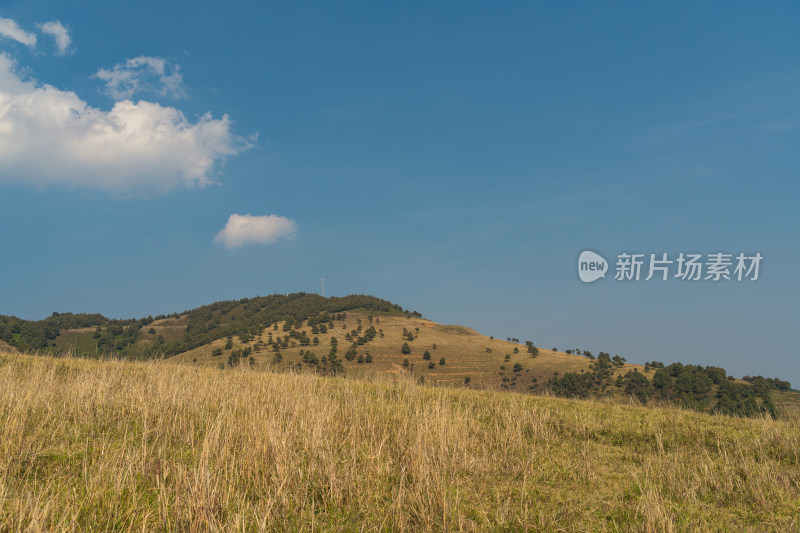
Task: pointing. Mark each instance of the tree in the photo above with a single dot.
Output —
(368, 358)
(431, 365)
(441, 361)
(533, 350)
(229, 343)
(467, 380)
(517, 367)
(406, 349)
(405, 362)
(638, 386)
(426, 355)
(360, 359)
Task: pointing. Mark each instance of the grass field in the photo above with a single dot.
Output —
(109, 445)
(487, 363)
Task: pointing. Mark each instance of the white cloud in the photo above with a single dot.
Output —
(59, 32)
(247, 229)
(52, 137)
(11, 30)
(150, 75)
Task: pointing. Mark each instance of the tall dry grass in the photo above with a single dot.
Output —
(106, 445)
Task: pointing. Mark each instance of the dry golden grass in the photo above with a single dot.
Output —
(464, 350)
(108, 445)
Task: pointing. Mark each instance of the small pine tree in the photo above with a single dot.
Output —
(406, 349)
(441, 361)
(426, 355)
(405, 362)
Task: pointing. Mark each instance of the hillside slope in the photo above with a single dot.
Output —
(120, 446)
(362, 335)
(486, 361)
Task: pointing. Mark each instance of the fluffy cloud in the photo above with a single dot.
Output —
(149, 75)
(247, 229)
(59, 32)
(11, 30)
(49, 136)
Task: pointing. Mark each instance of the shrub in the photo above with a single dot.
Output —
(426, 355)
(406, 349)
(441, 361)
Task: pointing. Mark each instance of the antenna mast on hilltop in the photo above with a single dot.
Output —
(323, 287)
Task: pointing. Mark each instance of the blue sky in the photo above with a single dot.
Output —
(454, 158)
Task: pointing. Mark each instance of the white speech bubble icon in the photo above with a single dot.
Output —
(591, 266)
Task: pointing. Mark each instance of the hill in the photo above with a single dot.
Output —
(361, 335)
(148, 338)
(121, 446)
